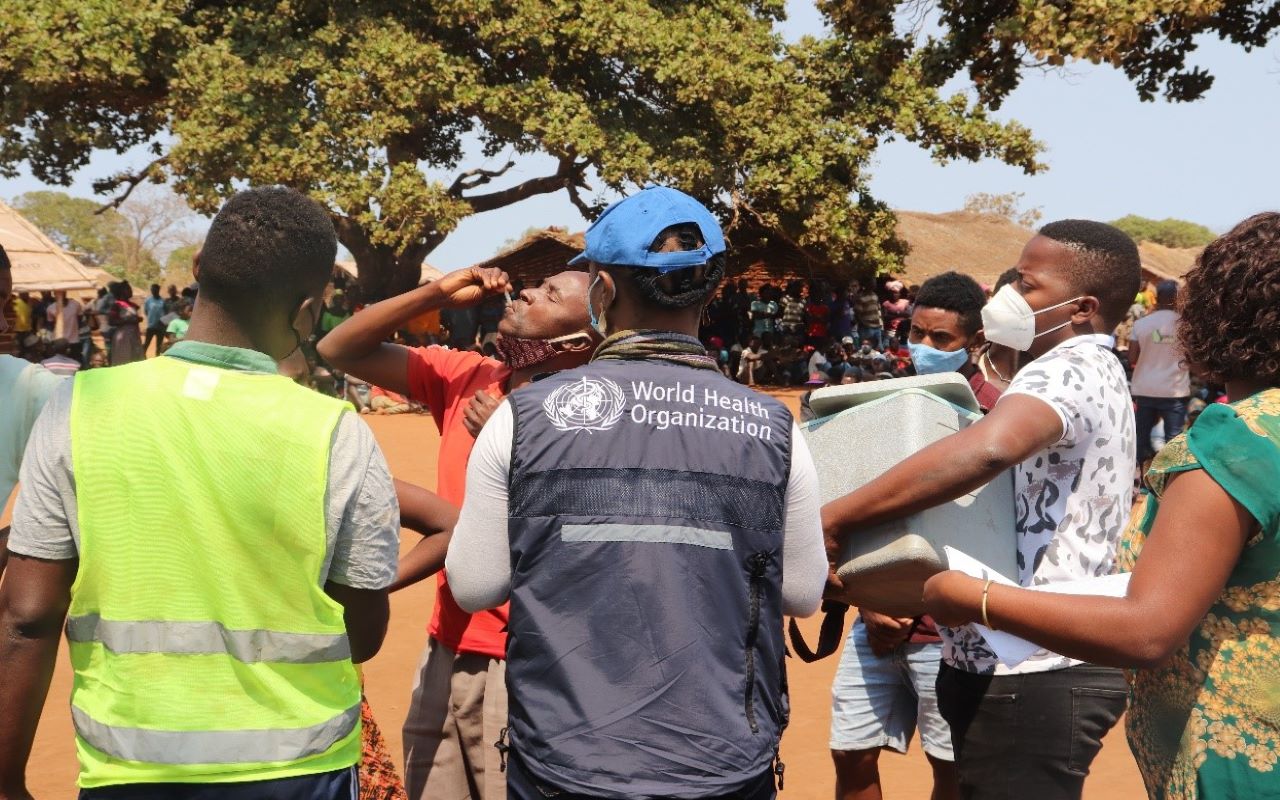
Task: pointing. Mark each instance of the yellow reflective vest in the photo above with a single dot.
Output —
(204, 646)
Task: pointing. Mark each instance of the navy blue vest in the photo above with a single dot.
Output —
(645, 655)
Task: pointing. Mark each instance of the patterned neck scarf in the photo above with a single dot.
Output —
(649, 345)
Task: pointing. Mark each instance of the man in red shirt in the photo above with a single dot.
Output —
(459, 704)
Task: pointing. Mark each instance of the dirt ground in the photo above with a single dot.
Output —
(410, 444)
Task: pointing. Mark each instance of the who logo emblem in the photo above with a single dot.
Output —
(587, 404)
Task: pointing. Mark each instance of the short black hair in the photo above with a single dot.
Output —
(1010, 275)
(1108, 267)
(951, 291)
(679, 288)
(267, 249)
(5, 265)
(1230, 321)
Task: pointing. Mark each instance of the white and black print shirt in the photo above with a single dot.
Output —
(1073, 498)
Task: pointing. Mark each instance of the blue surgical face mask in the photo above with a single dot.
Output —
(931, 361)
(597, 323)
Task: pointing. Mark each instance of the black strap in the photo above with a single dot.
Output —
(828, 635)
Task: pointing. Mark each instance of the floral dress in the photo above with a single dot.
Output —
(1207, 724)
(378, 777)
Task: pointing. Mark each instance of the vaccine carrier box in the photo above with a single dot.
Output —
(864, 429)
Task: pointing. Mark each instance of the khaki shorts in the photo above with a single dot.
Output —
(456, 714)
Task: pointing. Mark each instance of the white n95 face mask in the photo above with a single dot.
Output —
(1009, 320)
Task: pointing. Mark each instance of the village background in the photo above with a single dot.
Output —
(1179, 171)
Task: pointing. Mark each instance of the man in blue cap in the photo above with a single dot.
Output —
(651, 522)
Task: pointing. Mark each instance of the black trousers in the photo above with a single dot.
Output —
(523, 786)
(343, 784)
(1029, 736)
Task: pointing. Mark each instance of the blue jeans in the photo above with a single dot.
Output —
(1172, 410)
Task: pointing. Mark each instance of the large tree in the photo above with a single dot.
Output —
(360, 104)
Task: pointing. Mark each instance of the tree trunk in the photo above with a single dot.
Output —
(382, 272)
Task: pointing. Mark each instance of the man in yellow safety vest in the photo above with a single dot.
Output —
(222, 567)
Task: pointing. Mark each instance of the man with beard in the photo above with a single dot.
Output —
(459, 704)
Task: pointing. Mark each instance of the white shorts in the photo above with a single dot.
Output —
(879, 702)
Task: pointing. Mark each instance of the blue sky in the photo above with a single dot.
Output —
(1212, 161)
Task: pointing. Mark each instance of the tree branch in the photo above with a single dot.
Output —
(133, 179)
(476, 177)
(568, 174)
(587, 211)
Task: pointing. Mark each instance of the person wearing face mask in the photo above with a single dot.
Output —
(459, 702)
(1065, 426)
(945, 332)
(213, 640)
(885, 685)
(651, 522)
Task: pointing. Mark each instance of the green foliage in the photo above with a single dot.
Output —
(1168, 232)
(177, 267)
(1007, 205)
(359, 103)
(993, 41)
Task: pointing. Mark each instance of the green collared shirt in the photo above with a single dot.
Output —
(222, 357)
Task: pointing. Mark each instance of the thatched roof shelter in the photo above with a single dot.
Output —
(38, 263)
(1160, 262)
(980, 245)
(538, 255)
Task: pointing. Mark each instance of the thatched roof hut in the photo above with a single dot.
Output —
(38, 263)
(980, 245)
(538, 255)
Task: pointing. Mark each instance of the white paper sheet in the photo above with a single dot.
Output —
(1010, 649)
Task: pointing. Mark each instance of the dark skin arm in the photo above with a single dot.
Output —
(425, 513)
(34, 598)
(1135, 348)
(945, 470)
(885, 633)
(365, 612)
(4, 548)
(359, 345)
(478, 411)
(1195, 542)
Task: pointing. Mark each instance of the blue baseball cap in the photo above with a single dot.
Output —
(625, 231)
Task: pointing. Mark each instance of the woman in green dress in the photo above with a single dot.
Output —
(1201, 619)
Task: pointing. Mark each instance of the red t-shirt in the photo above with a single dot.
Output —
(985, 391)
(444, 381)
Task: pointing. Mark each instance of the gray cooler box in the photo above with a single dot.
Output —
(864, 429)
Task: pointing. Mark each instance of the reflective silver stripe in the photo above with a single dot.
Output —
(208, 638)
(665, 534)
(214, 747)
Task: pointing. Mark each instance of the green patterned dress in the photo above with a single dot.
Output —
(1207, 724)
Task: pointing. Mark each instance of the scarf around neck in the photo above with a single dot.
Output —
(651, 345)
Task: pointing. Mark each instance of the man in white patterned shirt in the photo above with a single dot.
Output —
(1065, 426)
